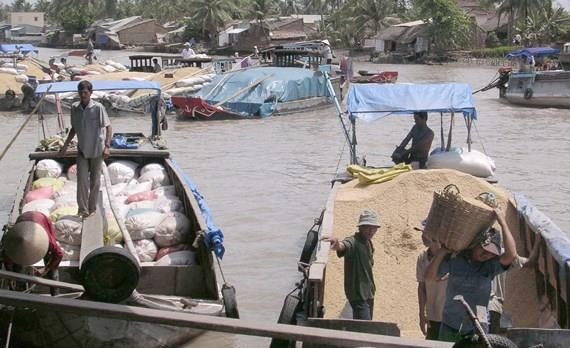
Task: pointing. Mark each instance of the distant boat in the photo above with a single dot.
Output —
(256, 92)
(534, 87)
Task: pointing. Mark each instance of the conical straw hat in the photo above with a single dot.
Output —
(26, 243)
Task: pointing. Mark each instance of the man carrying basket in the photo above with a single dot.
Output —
(470, 274)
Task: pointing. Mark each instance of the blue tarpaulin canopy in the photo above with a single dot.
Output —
(370, 102)
(71, 86)
(24, 48)
(537, 52)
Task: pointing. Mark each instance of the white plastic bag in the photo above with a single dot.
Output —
(146, 249)
(167, 204)
(40, 205)
(48, 168)
(174, 229)
(150, 167)
(158, 177)
(68, 230)
(142, 225)
(122, 171)
(471, 162)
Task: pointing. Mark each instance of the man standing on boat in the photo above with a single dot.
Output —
(90, 122)
(358, 253)
(187, 52)
(421, 136)
(471, 272)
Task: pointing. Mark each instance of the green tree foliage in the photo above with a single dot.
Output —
(21, 6)
(450, 29)
(211, 15)
(76, 20)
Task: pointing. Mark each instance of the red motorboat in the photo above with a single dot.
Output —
(381, 77)
(198, 109)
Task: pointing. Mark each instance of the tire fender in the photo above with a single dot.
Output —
(528, 93)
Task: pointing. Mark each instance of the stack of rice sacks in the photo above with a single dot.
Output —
(146, 201)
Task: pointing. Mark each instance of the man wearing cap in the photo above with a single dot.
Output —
(470, 274)
(90, 122)
(187, 52)
(358, 253)
(326, 51)
(30, 239)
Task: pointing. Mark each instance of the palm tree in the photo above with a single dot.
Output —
(373, 15)
(210, 15)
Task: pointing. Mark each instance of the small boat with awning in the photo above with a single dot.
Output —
(532, 85)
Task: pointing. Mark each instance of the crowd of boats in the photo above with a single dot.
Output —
(275, 81)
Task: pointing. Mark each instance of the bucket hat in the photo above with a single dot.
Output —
(492, 242)
(368, 218)
(26, 243)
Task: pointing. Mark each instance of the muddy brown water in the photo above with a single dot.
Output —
(265, 180)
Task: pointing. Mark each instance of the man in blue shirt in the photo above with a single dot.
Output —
(470, 274)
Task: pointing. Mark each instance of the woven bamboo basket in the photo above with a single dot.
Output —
(454, 220)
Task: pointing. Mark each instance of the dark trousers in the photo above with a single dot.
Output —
(433, 330)
(88, 182)
(362, 310)
(495, 322)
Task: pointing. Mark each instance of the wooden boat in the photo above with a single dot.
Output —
(381, 77)
(532, 87)
(536, 299)
(189, 288)
(257, 92)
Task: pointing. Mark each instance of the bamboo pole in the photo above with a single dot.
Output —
(243, 90)
(221, 324)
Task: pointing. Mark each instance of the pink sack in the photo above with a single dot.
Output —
(72, 173)
(165, 251)
(141, 196)
(41, 193)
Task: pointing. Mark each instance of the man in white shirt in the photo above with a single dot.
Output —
(187, 52)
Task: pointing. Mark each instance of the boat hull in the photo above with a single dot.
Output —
(543, 89)
(41, 328)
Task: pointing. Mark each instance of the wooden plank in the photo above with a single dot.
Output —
(221, 324)
(114, 153)
(92, 231)
(40, 281)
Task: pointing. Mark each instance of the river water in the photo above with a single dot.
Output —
(265, 180)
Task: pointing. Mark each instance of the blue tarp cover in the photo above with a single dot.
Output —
(557, 241)
(370, 102)
(536, 52)
(71, 86)
(284, 84)
(24, 48)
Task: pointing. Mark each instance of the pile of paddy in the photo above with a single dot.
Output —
(401, 205)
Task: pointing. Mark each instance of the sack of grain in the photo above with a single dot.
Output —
(122, 171)
(146, 249)
(55, 183)
(156, 177)
(61, 212)
(141, 196)
(68, 230)
(171, 249)
(150, 167)
(167, 204)
(70, 252)
(142, 224)
(169, 190)
(178, 258)
(112, 233)
(48, 168)
(40, 205)
(454, 220)
(471, 162)
(134, 187)
(72, 173)
(41, 193)
(173, 229)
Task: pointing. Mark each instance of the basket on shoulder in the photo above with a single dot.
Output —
(455, 220)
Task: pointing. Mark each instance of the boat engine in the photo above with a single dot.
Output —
(503, 80)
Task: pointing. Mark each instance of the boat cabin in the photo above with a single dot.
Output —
(143, 62)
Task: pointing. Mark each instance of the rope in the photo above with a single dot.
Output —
(220, 268)
(490, 85)
(479, 136)
(340, 157)
(23, 125)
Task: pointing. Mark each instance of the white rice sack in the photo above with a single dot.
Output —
(122, 171)
(75, 70)
(177, 258)
(21, 78)
(174, 229)
(169, 190)
(156, 177)
(167, 204)
(109, 68)
(65, 201)
(142, 205)
(135, 187)
(471, 162)
(150, 167)
(43, 206)
(21, 66)
(10, 71)
(118, 188)
(68, 230)
(146, 249)
(48, 168)
(70, 252)
(72, 173)
(143, 225)
(92, 72)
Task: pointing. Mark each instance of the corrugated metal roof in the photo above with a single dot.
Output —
(236, 30)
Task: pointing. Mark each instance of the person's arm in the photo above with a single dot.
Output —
(336, 245)
(510, 247)
(68, 140)
(422, 297)
(108, 134)
(533, 257)
(406, 139)
(432, 272)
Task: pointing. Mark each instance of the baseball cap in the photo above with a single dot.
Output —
(492, 242)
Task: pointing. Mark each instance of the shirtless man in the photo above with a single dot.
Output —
(421, 136)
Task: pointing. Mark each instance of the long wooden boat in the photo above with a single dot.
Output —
(184, 288)
(532, 87)
(257, 92)
(538, 300)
